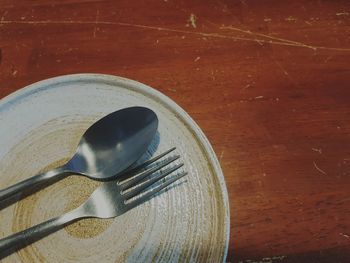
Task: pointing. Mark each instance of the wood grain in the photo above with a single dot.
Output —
(268, 84)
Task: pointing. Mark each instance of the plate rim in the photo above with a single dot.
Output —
(151, 92)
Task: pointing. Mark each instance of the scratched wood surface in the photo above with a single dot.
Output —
(267, 82)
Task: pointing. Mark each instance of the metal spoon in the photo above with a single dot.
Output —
(107, 147)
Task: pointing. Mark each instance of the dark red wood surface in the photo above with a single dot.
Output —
(267, 81)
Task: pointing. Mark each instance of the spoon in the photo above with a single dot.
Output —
(107, 148)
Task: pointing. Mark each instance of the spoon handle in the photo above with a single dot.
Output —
(12, 243)
(31, 184)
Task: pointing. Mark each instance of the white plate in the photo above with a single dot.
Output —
(40, 127)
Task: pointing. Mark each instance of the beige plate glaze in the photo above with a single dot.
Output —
(40, 128)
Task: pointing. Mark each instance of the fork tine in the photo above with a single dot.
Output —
(134, 180)
(139, 188)
(133, 170)
(155, 190)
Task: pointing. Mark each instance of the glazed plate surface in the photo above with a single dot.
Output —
(40, 127)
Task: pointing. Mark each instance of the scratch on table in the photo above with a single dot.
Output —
(212, 75)
(211, 35)
(265, 260)
(267, 36)
(3, 18)
(192, 21)
(317, 150)
(246, 87)
(308, 22)
(328, 59)
(243, 2)
(342, 14)
(224, 6)
(285, 72)
(173, 90)
(259, 42)
(319, 169)
(290, 18)
(215, 35)
(344, 235)
(197, 58)
(222, 155)
(96, 23)
(3, 15)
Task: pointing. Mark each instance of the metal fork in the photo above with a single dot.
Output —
(111, 199)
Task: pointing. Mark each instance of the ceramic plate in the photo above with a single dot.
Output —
(40, 128)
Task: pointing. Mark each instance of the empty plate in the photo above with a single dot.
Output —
(40, 128)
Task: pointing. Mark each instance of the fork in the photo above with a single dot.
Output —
(111, 199)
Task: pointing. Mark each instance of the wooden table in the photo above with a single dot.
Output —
(268, 84)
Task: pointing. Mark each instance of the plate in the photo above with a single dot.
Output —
(40, 128)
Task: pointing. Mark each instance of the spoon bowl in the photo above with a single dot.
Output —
(114, 143)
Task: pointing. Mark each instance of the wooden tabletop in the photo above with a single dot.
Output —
(267, 83)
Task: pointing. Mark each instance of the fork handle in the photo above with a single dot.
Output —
(12, 243)
(31, 183)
